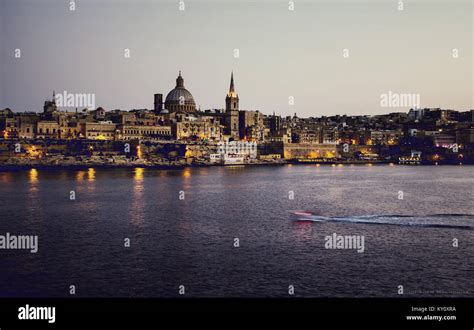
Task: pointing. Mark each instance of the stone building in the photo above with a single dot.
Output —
(146, 118)
(465, 135)
(28, 125)
(69, 125)
(139, 132)
(11, 127)
(48, 129)
(122, 117)
(201, 128)
(307, 134)
(251, 125)
(103, 130)
(28, 130)
(71, 130)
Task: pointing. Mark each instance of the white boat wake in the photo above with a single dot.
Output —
(462, 221)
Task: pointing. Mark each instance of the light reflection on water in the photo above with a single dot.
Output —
(33, 205)
(80, 176)
(5, 177)
(186, 173)
(33, 176)
(136, 209)
(91, 174)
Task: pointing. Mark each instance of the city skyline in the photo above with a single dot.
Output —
(169, 161)
(282, 54)
(86, 99)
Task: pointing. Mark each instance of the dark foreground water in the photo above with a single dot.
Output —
(190, 242)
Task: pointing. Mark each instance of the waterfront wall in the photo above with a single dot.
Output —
(309, 150)
(72, 152)
(77, 152)
(291, 151)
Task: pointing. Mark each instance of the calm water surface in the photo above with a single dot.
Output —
(190, 242)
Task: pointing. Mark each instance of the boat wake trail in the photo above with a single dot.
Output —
(455, 221)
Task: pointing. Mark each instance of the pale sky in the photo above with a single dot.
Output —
(283, 53)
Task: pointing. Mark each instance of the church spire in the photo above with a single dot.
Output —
(232, 99)
(232, 92)
(232, 88)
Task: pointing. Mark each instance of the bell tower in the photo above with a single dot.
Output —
(232, 99)
(232, 111)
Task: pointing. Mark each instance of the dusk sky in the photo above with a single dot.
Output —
(283, 53)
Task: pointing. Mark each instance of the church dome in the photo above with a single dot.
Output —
(180, 99)
(180, 93)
